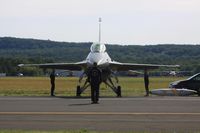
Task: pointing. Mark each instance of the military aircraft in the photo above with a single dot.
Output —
(108, 67)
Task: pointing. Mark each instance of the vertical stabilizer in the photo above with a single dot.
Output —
(100, 30)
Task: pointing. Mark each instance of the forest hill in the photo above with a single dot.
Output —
(14, 51)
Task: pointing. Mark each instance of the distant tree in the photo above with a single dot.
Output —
(15, 51)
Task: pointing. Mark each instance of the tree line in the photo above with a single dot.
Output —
(14, 51)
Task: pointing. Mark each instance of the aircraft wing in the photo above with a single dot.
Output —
(65, 66)
(132, 66)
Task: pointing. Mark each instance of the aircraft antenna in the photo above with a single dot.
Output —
(99, 30)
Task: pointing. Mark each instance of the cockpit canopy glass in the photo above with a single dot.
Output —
(98, 48)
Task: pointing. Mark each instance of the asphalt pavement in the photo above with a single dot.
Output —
(167, 114)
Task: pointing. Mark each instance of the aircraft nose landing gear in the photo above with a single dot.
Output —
(94, 77)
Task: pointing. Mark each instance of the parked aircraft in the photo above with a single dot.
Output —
(105, 64)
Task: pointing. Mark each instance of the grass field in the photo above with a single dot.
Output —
(40, 86)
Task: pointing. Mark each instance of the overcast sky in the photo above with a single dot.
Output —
(123, 21)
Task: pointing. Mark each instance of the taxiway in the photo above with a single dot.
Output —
(112, 114)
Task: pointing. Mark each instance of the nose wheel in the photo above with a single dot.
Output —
(198, 92)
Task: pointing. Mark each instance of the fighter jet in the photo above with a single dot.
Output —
(99, 56)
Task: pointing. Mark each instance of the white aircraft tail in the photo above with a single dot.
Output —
(99, 30)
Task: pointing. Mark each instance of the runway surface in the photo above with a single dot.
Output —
(112, 114)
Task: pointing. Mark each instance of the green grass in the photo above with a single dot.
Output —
(40, 86)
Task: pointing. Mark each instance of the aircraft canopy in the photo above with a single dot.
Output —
(98, 48)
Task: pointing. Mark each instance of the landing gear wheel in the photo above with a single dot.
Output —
(119, 91)
(78, 91)
(198, 92)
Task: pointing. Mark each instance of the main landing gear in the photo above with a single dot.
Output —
(116, 89)
(108, 81)
(78, 91)
(113, 85)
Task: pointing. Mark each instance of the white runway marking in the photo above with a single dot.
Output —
(92, 113)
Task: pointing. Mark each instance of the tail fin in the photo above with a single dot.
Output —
(99, 30)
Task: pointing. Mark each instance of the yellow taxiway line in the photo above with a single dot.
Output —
(92, 113)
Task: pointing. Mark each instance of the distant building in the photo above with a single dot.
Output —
(2, 74)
